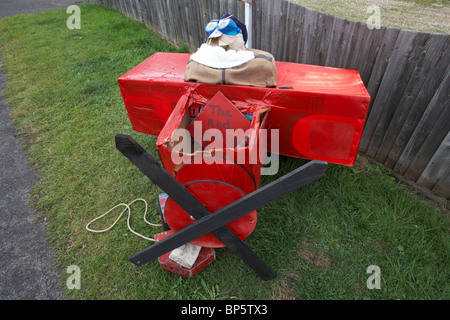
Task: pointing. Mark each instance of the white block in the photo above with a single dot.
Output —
(185, 255)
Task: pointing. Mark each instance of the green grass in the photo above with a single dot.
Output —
(320, 239)
(416, 15)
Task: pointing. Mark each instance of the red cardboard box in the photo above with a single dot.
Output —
(319, 111)
(219, 174)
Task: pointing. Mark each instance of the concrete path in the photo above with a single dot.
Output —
(26, 262)
(12, 7)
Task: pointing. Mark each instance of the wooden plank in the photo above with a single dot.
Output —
(256, 18)
(159, 18)
(325, 39)
(169, 21)
(299, 35)
(363, 58)
(262, 23)
(317, 26)
(261, 26)
(392, 87)
(386, 47)
(270, 192)
(181, 28)
(438, 167)
(271, 26)
(312, 37)
(214, 11)
(182, 22)
(121, 7)
(126, 8)
(161, 21)
(195, 15)
(230, 7)
(223, 8)
(424, 80)
(282, 32)
(431, 116)
(135, 10)
(139, 11)
(201, 22)
(289, 35)
(308, 35)
(256, 24)
(266, 39)
(347, 38)
(240, 9)
(291, 31)
(336, 44)
(442, 188)
(148, 17)
(354, 45)
(158, 175)
(370, 56)
(275, 27)
(130, 10)
(192, 34)
(205, 9)
(431, 144)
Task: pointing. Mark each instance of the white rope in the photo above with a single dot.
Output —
(127, 207)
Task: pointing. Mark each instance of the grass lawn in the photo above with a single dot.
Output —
(417, 15)
(320, 239)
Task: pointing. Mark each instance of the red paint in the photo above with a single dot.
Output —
(216, 180)
(214, 195)
(205, 257)
(219, 113)
(321, 117)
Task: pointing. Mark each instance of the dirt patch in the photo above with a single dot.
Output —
(285, 291)
(310, 255)
(361, 162)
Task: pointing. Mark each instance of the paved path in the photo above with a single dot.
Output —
(12, 7)
(26, 262)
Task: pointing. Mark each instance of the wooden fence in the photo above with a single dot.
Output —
(405, 72)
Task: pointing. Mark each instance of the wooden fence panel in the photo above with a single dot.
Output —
(434, 111)
(434, 172)
(390, 92)
(436, 135)
(385, 47)
(417, 95)
(405, 72)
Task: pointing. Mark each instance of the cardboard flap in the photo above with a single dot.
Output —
(220, 114)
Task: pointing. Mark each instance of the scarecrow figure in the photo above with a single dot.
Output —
(223, 58)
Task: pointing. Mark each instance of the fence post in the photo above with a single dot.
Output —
(249, 24)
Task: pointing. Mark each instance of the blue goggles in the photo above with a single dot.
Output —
(226, 26)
